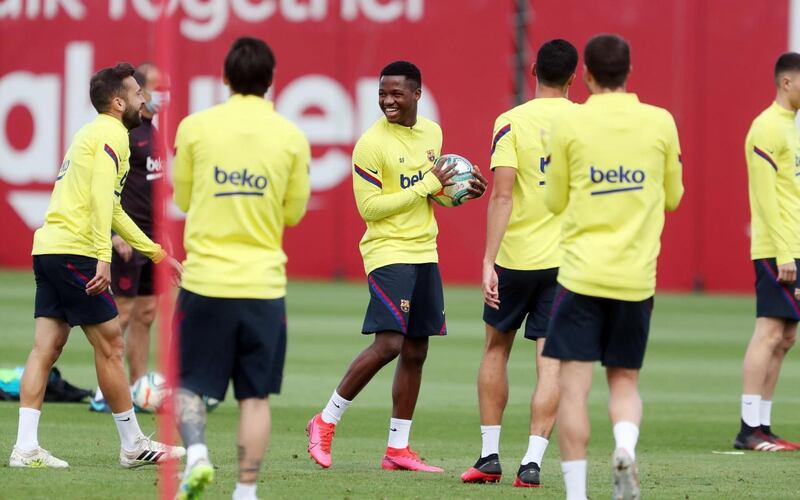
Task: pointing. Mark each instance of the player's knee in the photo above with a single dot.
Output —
(415, 353)
(789, 341)
(388, 346)
(146, 315)
(498, 342)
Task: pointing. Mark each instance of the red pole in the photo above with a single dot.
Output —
(164, 232)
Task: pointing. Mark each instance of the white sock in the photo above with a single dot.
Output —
(490, 440)
(194, 453)
(334, 409)
(28, 430)
(765, 412)
(536, 447)
(98, 395)
(626, 434)
(244, 491)
(128, 427)
(398, 433)
(750, 409)
(575, 479)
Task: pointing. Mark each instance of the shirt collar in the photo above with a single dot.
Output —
(613, 97)
(106, 118)
(251, 100)
(780, 110)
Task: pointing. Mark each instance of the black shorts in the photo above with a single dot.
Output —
(61, 290)
(523, 294)
(406, 298)
(773, 299)
(132, 278)
(584, 328)
(223, 339)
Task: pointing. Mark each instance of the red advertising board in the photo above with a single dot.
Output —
(697, 58)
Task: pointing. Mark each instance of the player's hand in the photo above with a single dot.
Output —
(101, 280)
(176, 269)
(477, 186)
(444, 171)
(797, 294)
(787, 273)
(491, 296)
(122, 248)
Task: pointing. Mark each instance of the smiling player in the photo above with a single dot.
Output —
(393, 176)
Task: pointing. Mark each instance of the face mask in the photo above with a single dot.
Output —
(158, 100)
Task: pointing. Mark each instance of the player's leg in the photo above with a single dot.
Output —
(137, 341)
(135, 448)
(258, 372)
(544, 401)
(515, 290)
(544, 407)
(575, 381)
(49, 339)
(765, 406)
(124, 282)
(775, 306)
(626, 334)
(757, 369)
(254, 429)
(426, 319)
(575, 337)
(387, 316)
(206, 331)
(492, 400)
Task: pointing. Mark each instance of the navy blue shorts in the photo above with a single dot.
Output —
(773, 299)
(585, 328)
(523, 294)
(132, 278)
(406, 298)
(61, 290)
(223, 339)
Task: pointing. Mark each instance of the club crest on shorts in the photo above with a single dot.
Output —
(431, 155)
(405, 305)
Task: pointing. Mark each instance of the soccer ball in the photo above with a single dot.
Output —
(150, 391)
(456, 193)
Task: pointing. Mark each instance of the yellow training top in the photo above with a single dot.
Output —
(520, 140)
(85, 206)
(391, 185)
(241, 175)
(772, 150)
(615, 167)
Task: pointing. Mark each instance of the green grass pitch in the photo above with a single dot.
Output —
(690, 386)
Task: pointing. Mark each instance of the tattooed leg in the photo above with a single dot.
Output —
(191, 417)
(254, 427)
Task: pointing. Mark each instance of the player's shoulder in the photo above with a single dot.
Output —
(428, 126)
(292, 131)
(766, 122)
(106, 131)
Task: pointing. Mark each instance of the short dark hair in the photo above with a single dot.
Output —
(107, 83)
(249, 66)
(788, 61)
(403, 68)
(556, 62)
(608, 59)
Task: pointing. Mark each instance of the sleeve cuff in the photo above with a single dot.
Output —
(784, 259)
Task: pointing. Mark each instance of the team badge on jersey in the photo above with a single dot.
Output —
(431, 155)
(405, 305)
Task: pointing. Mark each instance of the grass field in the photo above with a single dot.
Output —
(690, 386)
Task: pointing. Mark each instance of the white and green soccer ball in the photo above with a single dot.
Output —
(456, 193)
(150, 391)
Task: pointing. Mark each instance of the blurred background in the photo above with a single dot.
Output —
(707, 61)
